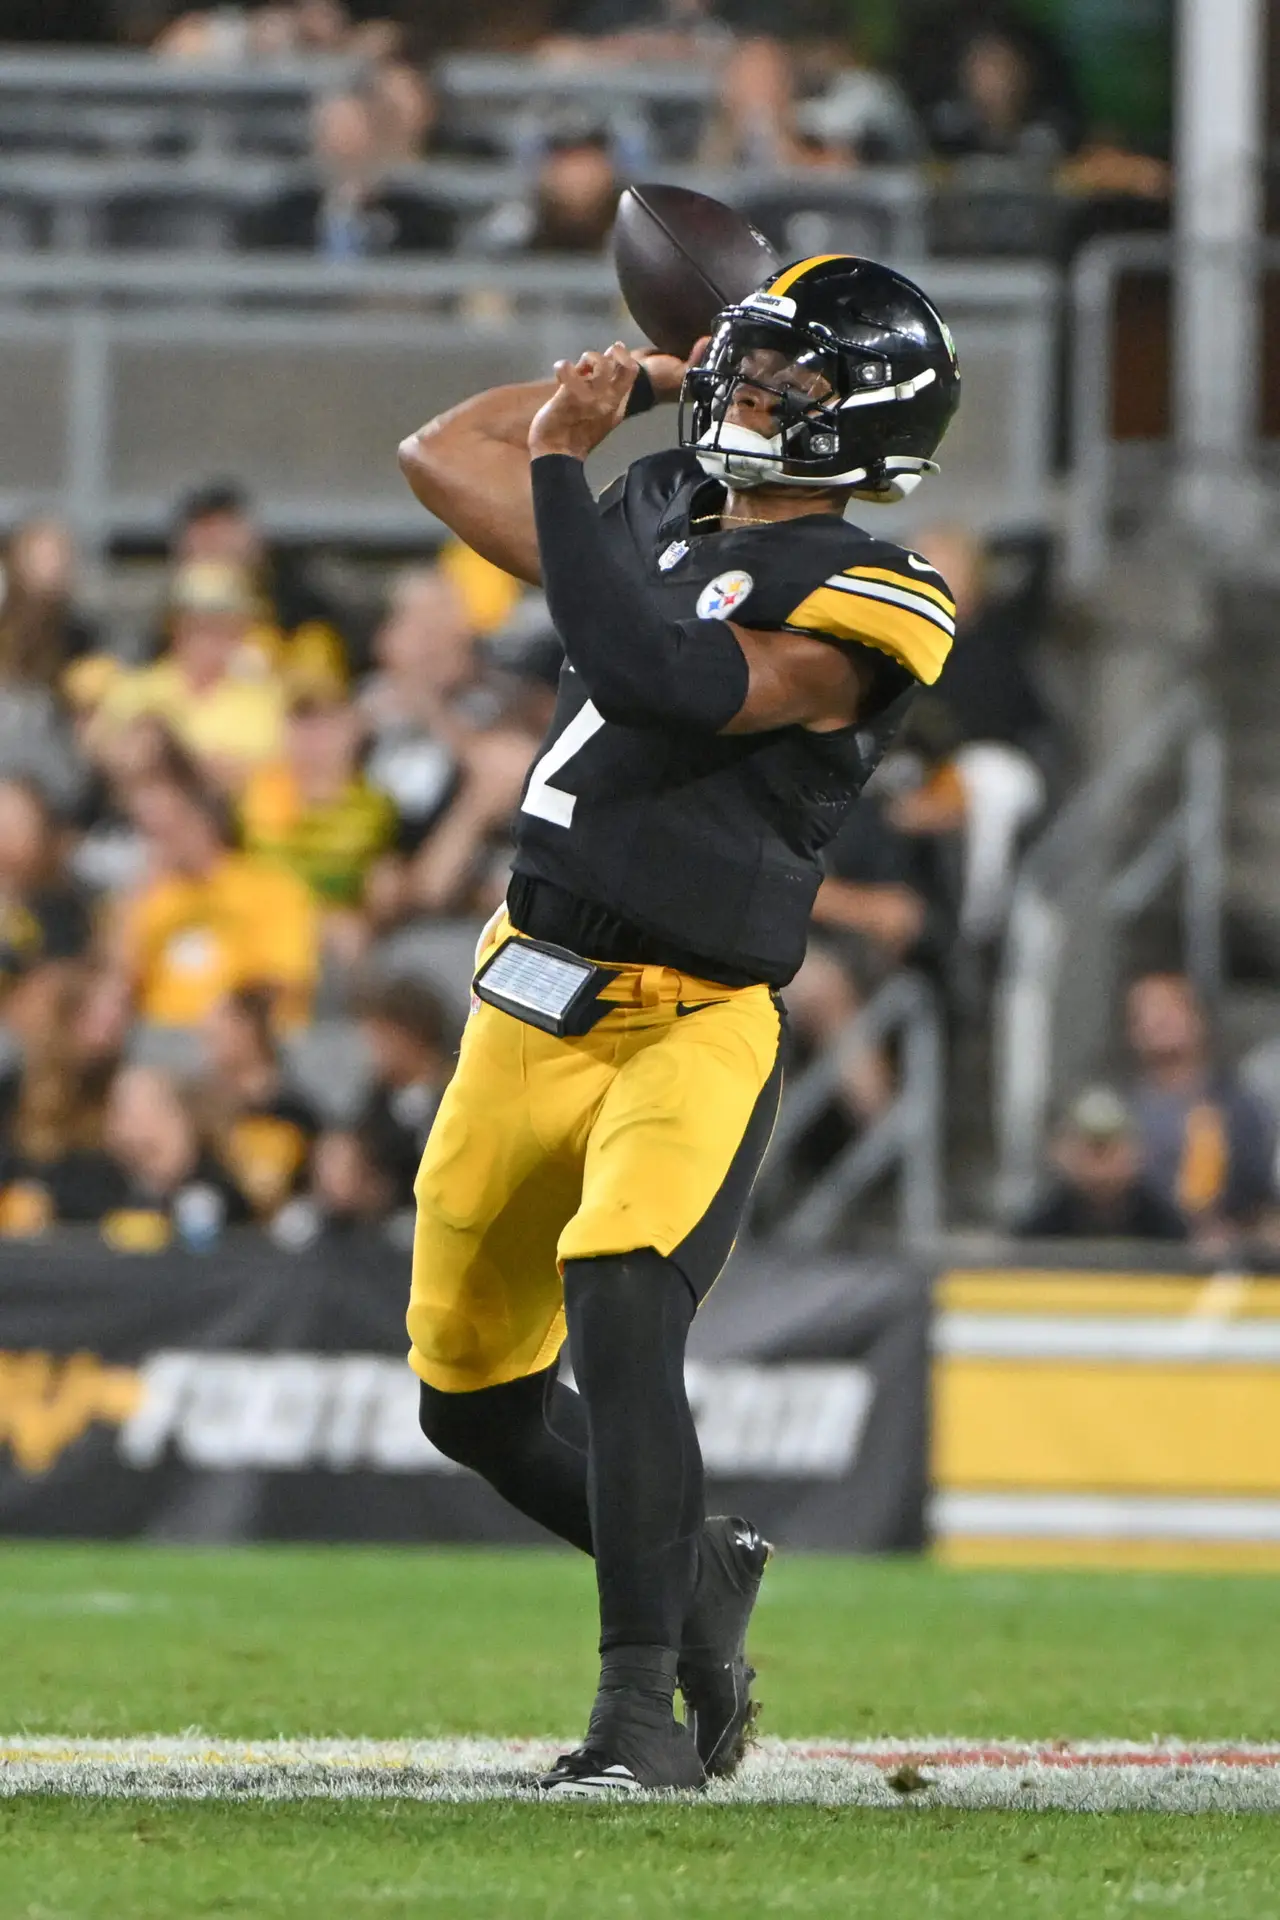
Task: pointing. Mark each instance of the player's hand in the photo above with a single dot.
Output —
(590, 399)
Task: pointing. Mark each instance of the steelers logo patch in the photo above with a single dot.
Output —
(723, 595)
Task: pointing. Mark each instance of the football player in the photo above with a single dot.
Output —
(737, 654)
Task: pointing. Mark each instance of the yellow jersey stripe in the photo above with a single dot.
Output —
(788, 277)
(896, 596)
(916, 643)
(911, 581)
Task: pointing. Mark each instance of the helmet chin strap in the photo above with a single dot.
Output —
(740, 456)
(744, 459)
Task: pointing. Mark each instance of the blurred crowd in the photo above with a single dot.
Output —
(978, 93)
(1182, 1151)
(243, 862)
(209, 845)
(246, 845)
(244, 853)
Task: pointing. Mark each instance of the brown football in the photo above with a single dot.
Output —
(681, 257)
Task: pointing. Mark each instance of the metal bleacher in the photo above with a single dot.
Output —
(116, 102)
(143, 350)
(124, 377)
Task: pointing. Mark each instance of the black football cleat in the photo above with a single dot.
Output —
(713, 1673)
(633, 1745)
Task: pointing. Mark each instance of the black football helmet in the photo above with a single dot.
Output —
(864, 374)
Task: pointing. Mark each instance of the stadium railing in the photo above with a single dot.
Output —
(126, 102)
(905, 1140)
(63, 201)
(126, 377)
(1079, 887)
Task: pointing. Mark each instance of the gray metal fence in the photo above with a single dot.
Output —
(905, 1141)
(125, 378)
(1079, 887)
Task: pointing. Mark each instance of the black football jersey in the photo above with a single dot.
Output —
(662, 846)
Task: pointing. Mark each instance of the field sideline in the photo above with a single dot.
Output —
(215, 1653)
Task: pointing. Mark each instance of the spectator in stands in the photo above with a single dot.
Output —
(489, 596)
(314, 812)
(527, 655)
(992, 780)
(299, 626)
(159, 1175)
(108, 854)
(464, 866)
(208, 920)
(350, 211)
(1099, 1191)
(779, 108)
(51, 1106)
(44, 920)
(412, 1045)
(445, 751)
(349, 1189)
(992, 84)
(406, 112)
(415, 704)
(260, 1124)
(42, 636)
(41, 629)
(1208, 1143)
(574, 198)
(873, 912)
(664, 29)
(211, 689)
(860, 117)
(292, 28)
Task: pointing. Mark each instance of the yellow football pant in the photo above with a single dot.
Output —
(646, 1132)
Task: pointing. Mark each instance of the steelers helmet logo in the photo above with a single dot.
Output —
(723, 595)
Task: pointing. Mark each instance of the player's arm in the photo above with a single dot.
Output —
(642, 669)
(470, 466)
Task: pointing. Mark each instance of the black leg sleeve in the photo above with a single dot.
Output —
(629, 1317)
(520, 1437)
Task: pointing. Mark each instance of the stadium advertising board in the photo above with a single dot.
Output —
(255, 1395)
(1107, 1419)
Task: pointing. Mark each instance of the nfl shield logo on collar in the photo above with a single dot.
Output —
(674, 554)
(724, 595)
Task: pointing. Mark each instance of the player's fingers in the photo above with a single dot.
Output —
(570, 374)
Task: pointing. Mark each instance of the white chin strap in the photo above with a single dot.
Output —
(740, 456)
(744, 459)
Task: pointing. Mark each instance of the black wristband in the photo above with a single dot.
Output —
(642, 396)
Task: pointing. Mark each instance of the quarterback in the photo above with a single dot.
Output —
(737, 655)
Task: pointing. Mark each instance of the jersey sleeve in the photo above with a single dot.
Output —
(886, 599)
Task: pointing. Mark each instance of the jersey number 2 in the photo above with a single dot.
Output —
(556, 804)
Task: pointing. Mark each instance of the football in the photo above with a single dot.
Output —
(681, 257)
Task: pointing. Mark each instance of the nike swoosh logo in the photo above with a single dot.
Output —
(921, 566)
(697, 1007)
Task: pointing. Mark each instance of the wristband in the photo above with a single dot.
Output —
(642, 396)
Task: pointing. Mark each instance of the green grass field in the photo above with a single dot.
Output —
(250, 1644)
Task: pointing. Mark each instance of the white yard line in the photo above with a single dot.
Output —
(1093, 1777)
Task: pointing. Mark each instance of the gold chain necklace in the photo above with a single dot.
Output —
(732, 520)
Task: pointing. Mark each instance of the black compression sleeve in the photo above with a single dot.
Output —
(641, 669)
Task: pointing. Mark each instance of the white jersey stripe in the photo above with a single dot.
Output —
(896, 596)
